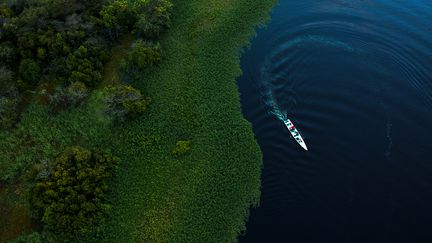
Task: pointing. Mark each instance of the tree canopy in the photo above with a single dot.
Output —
(70, 200)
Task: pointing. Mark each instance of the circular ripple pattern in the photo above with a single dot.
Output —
(356, 79)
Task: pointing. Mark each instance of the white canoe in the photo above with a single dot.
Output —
(295, 133)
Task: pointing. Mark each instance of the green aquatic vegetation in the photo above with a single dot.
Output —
(204, 196)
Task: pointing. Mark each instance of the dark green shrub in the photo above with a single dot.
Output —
(142, 54)
(29, 71)
(7, 53)
(71, 200)
(124, 101)
(153, 17)
(72, 96)
(182, 147)
(83, 67)
(117, 17)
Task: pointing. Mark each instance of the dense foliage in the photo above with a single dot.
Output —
(149, 18)
(34, 237)
(72, 199)
(65, 40)
(124, 101)
(142, 55)
(71, 96)
(52, 40)
(203, 196)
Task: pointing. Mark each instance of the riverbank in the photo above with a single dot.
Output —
(205, 195)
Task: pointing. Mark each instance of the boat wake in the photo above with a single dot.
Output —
(267, 95)
(270, 100)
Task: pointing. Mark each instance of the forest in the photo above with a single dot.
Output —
(125, 111)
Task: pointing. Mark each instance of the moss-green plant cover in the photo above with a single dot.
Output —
(201, 196)
(204, 196)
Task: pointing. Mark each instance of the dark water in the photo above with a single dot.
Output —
(356, 79)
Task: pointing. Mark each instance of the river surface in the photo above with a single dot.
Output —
(355, 77)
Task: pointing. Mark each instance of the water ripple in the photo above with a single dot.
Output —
(355, 78)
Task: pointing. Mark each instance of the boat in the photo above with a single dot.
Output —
(295, 133)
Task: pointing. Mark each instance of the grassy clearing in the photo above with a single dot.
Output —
(201, 196)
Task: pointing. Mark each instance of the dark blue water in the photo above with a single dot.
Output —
(356, 79)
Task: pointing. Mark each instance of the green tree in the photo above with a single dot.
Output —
(124, 101)
(83, 68)
(153, 17)
(7, 53)
(142, 55)
(29, 71)
(72, 199)
(117, 17)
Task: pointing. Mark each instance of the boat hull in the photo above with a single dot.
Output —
(296, 134)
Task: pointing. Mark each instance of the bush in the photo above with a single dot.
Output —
(124, 101)
(182, 147)
(61, 38)
(153, 17)
(72, 96)
(29, 71)
(72, 199)
(83, 67)
(142, 54)
(116, 18)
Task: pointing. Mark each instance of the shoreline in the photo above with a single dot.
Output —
(218, 182)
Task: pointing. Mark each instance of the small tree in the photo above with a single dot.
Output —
(71, 201)
(182, 147)
(7, 53)
(124, 101)
(29, 71)
(72, 96)
(116, 18)
(143, 54)
(153, 17)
